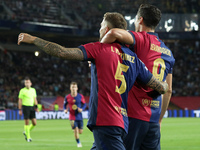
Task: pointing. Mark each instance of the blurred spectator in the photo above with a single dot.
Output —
(87, 14)
(51, 76)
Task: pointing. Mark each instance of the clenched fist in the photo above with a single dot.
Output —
(26, 38)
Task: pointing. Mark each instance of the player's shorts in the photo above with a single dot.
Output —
(142, 135)
(76, 123)
(108, 138)
(29, 112)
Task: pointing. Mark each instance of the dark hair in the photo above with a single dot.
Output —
(73, 83)
(151, 15)
(27, 78)
(116, 20)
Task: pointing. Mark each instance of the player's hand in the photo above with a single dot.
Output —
(166, 87)
(89, 63)
(37, 110)
(26, 38)
(20, 112)
(80, 110)
(66, 111)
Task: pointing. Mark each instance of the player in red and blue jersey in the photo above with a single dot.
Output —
(113, 72)
(114, 69)
(76, 104)
(144, 105)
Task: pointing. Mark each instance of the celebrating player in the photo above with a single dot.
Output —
(114, 69)
(76, 104)
(144, 107)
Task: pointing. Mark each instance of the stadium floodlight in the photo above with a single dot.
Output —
(37, 53)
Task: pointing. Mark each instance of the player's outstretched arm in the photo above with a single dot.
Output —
(161, 87)
(51, 48)
(119, 35)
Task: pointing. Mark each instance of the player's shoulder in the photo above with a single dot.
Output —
(81, 95)
(23, 89)
(68, 95)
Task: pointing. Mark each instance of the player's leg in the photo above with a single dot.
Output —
(80, 130)
(152, 139)
(80, 126)
(74, 126)
(32, 125)
(34, 122)
(109, 137)
(33, 119)
(26, 113)
(136, 133)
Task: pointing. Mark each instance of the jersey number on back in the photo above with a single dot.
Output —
(159, 74)
(119, 76)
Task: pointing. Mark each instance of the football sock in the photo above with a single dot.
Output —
(31, 127)
(77, 140)
(27, 131)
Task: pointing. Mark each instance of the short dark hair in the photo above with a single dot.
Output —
(116, 20)
(27, 78)
(151, 15)
(73, 83)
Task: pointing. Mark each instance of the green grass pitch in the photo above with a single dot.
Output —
(176, 134)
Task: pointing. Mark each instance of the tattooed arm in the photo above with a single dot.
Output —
(157, 85)
(52, 48)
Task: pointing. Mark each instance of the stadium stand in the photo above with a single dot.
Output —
(51, 76)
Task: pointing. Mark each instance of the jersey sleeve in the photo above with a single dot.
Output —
(20, 94)
(91, 50)
(139, 41)
(35, 93)
(65, 102)
(144, 74)
(172, 65)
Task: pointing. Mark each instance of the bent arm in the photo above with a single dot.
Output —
(119, 35)
(161, 87)
(52, 48)
(166, 97)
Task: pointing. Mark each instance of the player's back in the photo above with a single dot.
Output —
(159, 59)
(114, 69)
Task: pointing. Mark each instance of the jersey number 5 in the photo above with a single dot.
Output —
(119, 76)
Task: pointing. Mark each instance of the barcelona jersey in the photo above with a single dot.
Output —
(74, 103)
(143, 102)
(114, 70)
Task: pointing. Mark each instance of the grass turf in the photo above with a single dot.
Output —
(176, 134)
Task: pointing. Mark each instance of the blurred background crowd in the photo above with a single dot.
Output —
(51, 76)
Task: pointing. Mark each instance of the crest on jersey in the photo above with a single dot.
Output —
(146, 102)
(74, 107)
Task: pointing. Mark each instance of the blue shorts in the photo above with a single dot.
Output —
(142, 135)
(108, 138)
(76, 123)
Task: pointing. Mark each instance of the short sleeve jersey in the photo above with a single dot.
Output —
(143, 103)
(73, 103)
(114, 70)
(28, 96)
